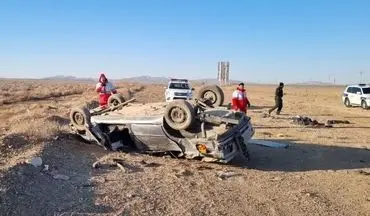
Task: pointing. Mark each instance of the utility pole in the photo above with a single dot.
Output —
(361, 72)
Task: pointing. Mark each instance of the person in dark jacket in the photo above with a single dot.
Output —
(278, 99)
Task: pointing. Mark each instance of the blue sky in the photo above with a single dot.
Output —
(265, 41)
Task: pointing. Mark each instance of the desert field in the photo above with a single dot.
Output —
(324, 171)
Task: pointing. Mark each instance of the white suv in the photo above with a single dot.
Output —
(178, 89)
(357, 95)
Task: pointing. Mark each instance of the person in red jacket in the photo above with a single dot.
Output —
(105, 89)
(240, 100)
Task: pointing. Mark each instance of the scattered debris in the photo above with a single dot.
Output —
(268, 143)
(129, 195)
(204, 168)
(225, 175)
(61, 177)
(36, 161)
(96, 164)
(52, 107)
(46, 168)
(120, 166)
(265, 115)
(125, 166)
(363, 172)
(209, 159)
(266, 133)
(337, 122)
(56, 138)
(307, 121)
(183, 172)
(282, 135)
(151, 164)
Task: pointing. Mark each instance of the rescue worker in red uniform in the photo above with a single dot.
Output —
(105, 90)
(240, 100)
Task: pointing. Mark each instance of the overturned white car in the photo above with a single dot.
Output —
(192, 129)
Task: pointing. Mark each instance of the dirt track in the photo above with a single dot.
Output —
(324, 171)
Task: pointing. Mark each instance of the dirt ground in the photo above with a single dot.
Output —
(324, 171)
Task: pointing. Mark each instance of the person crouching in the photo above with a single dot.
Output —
(105, 89)
(240, 100)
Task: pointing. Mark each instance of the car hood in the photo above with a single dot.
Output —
(180, 90)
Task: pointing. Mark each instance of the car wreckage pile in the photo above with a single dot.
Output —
(199, 128)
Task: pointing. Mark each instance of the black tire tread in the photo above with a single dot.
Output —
(217, 90)
(85, 113)
(185, 106)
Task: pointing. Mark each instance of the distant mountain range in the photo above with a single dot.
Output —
(138, 79)
(314, 83)
(164, 80)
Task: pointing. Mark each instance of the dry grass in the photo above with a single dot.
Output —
(317, 175)
(12, 91)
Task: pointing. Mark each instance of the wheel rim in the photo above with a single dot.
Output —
(347, 102)
(78, 118)
(364, 105)
(178, 115)
(114, 102)
(211, 96)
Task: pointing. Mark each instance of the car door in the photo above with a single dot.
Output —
(357, 94)
(350, 94)
(151, 137)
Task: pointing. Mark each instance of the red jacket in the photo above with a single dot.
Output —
(239, 100)
(105, 89)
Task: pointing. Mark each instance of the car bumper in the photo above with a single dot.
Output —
(178, 98)
(229, 148)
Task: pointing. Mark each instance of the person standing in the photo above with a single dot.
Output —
(278, 99)
(239, 101)
(105, 89)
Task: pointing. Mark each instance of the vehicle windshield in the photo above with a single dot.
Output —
(179, 86)
(366, 90)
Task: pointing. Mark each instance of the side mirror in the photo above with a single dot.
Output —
(359, 93)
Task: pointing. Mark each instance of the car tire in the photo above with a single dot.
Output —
(179, 114)
(347, 103)
(79, 117)
(364, 105)
(213, 94)
(116, 99)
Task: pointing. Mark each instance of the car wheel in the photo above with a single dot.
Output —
(347, 103)
(364, 105)
(179, 114)
(116, 99)
(80, 116)
(213, 94)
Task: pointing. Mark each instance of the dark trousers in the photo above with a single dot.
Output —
(278, 105)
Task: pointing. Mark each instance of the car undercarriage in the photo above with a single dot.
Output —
(200, 128)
